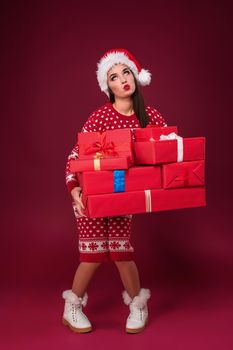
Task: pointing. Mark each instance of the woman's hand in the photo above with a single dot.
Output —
(76, 194)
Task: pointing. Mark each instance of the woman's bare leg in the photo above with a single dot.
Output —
(130, 277)
(83, 276)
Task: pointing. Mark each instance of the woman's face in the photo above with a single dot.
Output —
(121, 81)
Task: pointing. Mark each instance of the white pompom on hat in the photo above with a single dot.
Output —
(115, 56)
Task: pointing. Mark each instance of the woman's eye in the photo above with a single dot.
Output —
(125, 72)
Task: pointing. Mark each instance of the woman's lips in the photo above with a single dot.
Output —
(126, 87)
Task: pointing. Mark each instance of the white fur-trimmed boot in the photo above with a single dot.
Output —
(73, 315)
(138, 316)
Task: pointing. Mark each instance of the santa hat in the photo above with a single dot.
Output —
(115, 56)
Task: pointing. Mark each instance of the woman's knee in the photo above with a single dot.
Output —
(90, 264)
(122, 263)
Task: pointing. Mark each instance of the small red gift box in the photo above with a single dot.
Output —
(135, 202)
(169, 150)
(80, 165)
(106, 144)
(153, 132)
(184, 174)
(133, 179)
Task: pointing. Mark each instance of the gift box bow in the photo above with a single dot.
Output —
(101, 147)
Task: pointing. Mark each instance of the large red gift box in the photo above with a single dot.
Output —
(80, 165)
(135, 202)
(153, 132)
(183, 174)
(133, 179)
(106, 144)
(169, 151)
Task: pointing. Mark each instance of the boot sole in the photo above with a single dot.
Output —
(76, 330)
(136, 330)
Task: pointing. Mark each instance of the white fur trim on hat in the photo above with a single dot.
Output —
(143, 76)
(139, 300)
(71, 297)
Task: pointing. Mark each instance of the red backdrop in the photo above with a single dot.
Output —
(49, 56)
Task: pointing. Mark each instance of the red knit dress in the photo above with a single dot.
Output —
(108, 238)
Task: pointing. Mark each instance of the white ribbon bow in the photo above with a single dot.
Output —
(180, 147)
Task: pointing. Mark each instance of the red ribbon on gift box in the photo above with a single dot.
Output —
(184, 178)
(102, 147)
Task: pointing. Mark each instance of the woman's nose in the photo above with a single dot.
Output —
(123, 79)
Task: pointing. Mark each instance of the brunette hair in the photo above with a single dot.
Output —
(138, 104)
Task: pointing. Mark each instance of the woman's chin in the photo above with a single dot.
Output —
(124, 94)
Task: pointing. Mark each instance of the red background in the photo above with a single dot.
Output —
(49, 88)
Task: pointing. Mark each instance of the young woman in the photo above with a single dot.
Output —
(119, 75)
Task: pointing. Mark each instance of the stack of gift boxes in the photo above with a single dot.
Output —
(130, 171)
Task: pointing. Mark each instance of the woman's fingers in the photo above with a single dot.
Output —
(79, 201)
(79, 207)
(77, 210)
(78, 204)
(80, 213)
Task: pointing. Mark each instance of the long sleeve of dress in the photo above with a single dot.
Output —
(70, 177)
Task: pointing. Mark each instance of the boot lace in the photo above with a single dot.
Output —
(136, 313)
(77, 314)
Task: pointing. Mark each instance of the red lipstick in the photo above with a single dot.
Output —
(126, 87)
